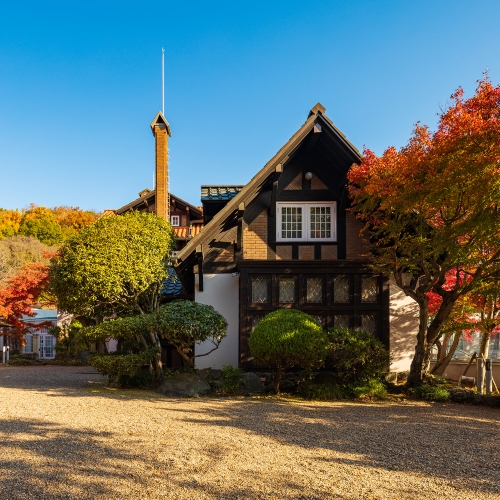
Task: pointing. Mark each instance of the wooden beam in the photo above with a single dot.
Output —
(239, 233)
(277, 174)
(199, 256)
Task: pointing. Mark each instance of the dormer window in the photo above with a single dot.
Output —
(175, 220)
(313, 222)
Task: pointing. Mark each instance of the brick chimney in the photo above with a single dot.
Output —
(161, 131)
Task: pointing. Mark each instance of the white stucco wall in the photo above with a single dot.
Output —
(221, 291)
(403, 327)
(111, 345)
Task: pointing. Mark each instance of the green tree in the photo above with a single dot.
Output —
(115, 267)
(184, 323)
(287, 338)
(44, 229)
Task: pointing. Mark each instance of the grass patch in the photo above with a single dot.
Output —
(326, 387)
(431, 393)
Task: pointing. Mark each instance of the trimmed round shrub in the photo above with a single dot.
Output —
(356, 355)
(287, 338)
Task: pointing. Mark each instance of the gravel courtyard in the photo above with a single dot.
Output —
(64, 435)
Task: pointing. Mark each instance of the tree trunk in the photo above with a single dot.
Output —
(427, 336)
(442, 347)
(277, 379)
(189, 361)
(418, 366)
(442, 364)
(485, 342)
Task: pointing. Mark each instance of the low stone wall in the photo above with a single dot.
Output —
(456, 369)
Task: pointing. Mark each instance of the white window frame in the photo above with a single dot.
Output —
(30, 341)
(306, 222)
(175, 220)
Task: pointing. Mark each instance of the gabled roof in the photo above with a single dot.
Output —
(160, 119)
(251, 190)
(148, 195)
(219, 193)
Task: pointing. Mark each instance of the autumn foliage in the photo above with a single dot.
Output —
(432, 209)
(51, 226)
(20, 294)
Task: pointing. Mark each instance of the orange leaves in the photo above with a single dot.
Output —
(21, 293)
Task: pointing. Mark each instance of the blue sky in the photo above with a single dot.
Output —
(81, 81)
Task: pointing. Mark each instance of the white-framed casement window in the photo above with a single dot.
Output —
(175, 220)
(312, 221)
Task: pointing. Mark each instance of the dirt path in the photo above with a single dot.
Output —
(63, 435)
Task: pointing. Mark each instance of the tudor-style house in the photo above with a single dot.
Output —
(287, 240)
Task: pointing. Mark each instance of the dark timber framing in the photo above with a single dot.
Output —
(327, 308)
(320, 148)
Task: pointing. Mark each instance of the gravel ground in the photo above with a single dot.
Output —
(64, 435)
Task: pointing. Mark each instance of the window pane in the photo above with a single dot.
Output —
(320, 222)
(314, 290)
(291, 222)
(341, 321)
(368, 289)
(287, 290)
(259, 290)
(29, 346)
(318, 318)
(341, 290)
(369, 323)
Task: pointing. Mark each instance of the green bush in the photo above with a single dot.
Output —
(356, 355)
(327, 387)
(230, 379)
(431, 393)
(287, 338)
(373, 389)
(118, 365)
(141, 379)
(323, 387)
(19, 362)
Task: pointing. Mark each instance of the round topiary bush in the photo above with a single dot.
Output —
(356, 355)
(287, 338)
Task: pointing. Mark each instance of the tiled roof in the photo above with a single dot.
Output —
(184, 231)
(219, 193)
(172, 285)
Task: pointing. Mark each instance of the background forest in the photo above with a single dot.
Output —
(32, 235)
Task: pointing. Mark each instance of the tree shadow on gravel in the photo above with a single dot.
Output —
(41, 459)
(455, 443)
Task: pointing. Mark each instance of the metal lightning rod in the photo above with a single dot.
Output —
(163, 81)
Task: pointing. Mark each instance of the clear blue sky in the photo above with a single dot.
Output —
(81, 81)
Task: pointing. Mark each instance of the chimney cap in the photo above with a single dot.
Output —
(160, 121)
(145, 192)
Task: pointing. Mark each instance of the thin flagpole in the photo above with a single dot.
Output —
(163, 81)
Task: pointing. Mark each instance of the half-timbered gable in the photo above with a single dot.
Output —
(288, 240)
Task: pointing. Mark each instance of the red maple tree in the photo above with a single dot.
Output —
(20, 294)
(433, 208)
